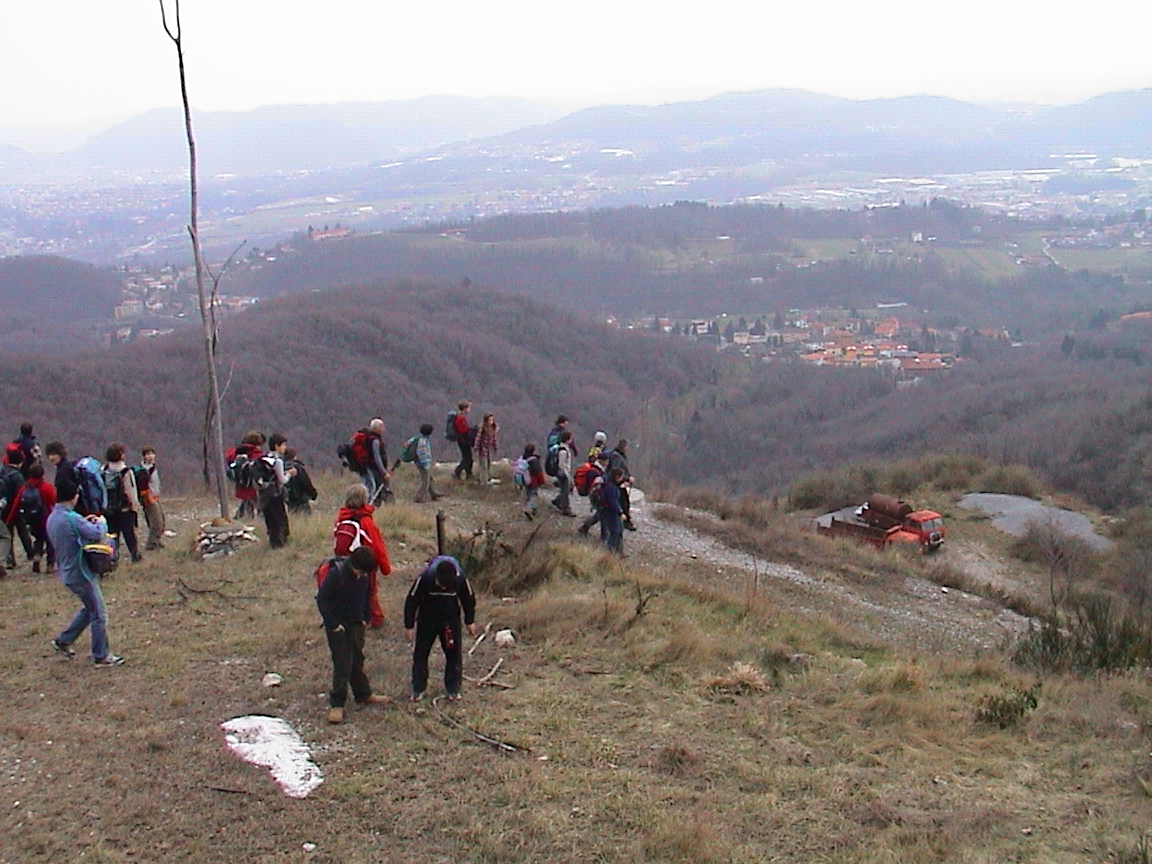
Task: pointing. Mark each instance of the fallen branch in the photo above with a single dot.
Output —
(182, 587)
(230, 791)
(480, 639)
(495, 669)
(531, 537)
(480, 736)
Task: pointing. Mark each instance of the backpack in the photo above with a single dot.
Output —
(323, 568)
(359, 456)
(143, 481)
(10, 482)
(349, 536)
(450, 427)
(521, 473)
(14, 454)
(93, 498)
(584, 477)
(408, 454)
(31, 505)
(240, 470)
(113, 480)
(262, 473)
(552, 461)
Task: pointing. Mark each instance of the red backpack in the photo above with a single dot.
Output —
(584, 477)
(348, 536)
(360, 454)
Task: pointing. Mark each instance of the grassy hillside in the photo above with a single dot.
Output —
(660, 718)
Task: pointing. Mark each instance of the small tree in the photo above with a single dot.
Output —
(214, 422)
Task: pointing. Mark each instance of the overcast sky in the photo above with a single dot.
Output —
(82, 61)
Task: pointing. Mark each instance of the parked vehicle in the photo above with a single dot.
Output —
(882, 521)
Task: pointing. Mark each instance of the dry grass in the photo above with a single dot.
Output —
(632, 756)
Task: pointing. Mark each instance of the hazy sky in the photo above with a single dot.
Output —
(76, 61)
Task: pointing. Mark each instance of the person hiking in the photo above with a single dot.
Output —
(238, 459)
(68, 532)
(123, 499)
(148, 485)
(565, 467)
(599, 442)
(418, 451)
(594, 481)
(34, 501)
(612, 512)
(459, 429)
(356, 527)
(370, 458)
(618, 458)
(29, 449)
(554, 433)
(343, 603)
(269, 479)
(11, 481)
(528, 475)
(486, 447)
(299, 493)
(432, 610)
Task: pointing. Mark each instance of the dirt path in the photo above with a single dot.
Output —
(917, 613)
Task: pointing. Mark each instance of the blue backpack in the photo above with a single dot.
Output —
(93, 498)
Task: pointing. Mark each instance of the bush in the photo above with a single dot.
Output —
(1096, 635)
(955, 472)
(1008, 709)
(1009, 480)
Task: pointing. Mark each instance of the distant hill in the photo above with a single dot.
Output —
(53, 304)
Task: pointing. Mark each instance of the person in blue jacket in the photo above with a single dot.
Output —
(432, 610)
(68, 532)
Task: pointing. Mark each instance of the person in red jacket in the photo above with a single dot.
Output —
(356, 527)
(464, 438)
(33, 502)
(251, 446)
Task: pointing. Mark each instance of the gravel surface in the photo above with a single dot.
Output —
(1014, 514)
(916, 613)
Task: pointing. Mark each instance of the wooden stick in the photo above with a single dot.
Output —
(495, 669)
(480, 639)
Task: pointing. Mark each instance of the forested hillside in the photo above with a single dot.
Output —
(318, 366)
(51, 302)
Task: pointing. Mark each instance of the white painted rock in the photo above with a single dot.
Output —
(505, 639)
(272, 743)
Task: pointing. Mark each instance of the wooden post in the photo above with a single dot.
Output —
(439, 532)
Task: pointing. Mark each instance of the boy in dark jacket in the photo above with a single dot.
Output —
(343, 604)
(432, 611)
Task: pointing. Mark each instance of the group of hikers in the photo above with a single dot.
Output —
(80, 522)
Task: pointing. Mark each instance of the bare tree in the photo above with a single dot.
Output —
(207, 305)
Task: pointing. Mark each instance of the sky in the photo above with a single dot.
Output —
(84, 64)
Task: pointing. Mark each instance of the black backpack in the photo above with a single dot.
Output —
(31, 505)
(450, 427)
(552, 461)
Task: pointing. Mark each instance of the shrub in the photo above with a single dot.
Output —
(955, 472)
(1008, 709)
(1095, 635)
(1009, 480)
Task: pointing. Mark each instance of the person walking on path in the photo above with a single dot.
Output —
(486, 447)
(343, 603)
(68, 532)
(34, 502)
(618, 458)
(528, 476)
(356, 527)
(432, 610)
(462, 434)
(270, 480)
(372, 460)
(422, 459)
(150, 499)
(565, 468)
(612, 512)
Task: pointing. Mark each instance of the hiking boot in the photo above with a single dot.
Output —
(583, 530)
(376, 699)
(36, 566)
(567, 513)
(335, 715)
(62, 648)
(628, 526)
(109, 660)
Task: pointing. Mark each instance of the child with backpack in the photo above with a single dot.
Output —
(238, 459)
(268, 479)
(122, 499)
(34, 502)
(432, 610)
(418, 451)
(528, 477)
(343, 603)
(299, 493)
(148, 486)
(356, 528)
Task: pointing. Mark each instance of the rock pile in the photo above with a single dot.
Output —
(220, 538)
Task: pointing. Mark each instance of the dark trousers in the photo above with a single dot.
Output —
(563, 500)
(123, 525)
(347, 647)
(19, 529)
(276, 521)
(427, 632)
(465, 466)
(41, 543)
(626, 503)
(612, 531)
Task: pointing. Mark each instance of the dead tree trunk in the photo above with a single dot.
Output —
(207, 313)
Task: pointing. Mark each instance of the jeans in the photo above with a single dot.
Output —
(528, 499)
(427, 632)
(612, 531)
(93, 613)
(379, 489)
(347, 647)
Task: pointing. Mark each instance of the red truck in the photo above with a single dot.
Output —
(883, 521)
